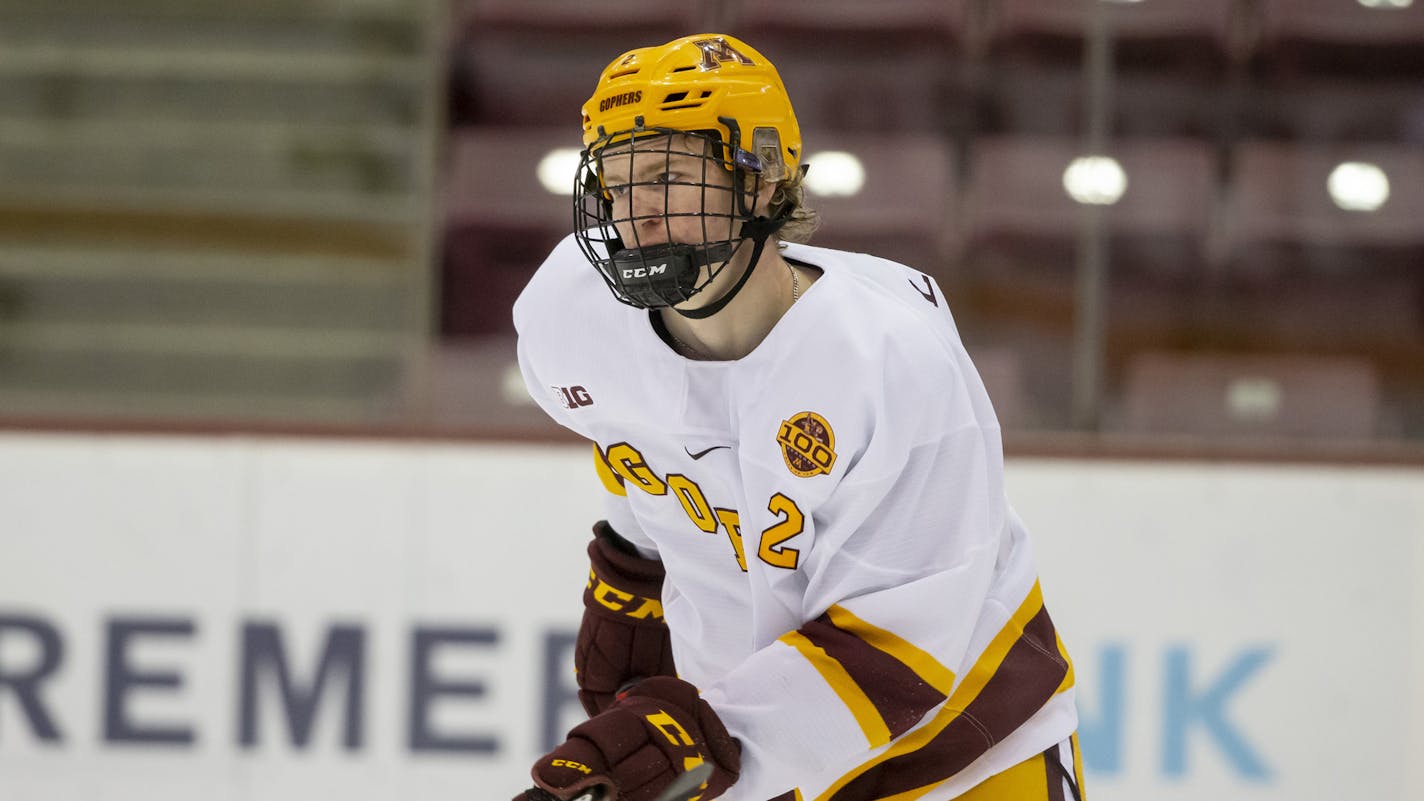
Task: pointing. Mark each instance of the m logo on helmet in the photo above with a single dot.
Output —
(716, 52)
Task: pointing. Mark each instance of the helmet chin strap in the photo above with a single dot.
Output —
(758, 229)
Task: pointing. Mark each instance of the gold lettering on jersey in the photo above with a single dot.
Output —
(693, 501)
(716, 52)
(808, 444)
(629, 463)
(772, 550)
(732, 522)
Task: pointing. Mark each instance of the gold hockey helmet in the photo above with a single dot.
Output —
(706, 82)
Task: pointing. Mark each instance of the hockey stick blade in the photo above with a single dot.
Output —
(683, 788)
(687, 785)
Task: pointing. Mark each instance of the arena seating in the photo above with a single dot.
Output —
(1210, 394)
(1017, 195)
(1280, 197)
(965, 115)
(1329, 21)
(523, 63)
(213, 209)
(905, 210)
(500, 223)
(943, 20)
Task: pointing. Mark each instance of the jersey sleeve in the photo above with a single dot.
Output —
(616, 509)
(924, 641)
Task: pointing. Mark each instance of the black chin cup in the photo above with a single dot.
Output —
(659, 276)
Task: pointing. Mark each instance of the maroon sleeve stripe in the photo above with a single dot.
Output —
(1023, 682)
(899, 695)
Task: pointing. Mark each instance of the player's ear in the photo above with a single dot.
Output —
(765, 192)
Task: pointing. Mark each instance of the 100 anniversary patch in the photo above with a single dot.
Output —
(808, 444)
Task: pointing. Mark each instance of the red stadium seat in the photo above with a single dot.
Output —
(942, 19)
(1159, 18)
(1280, 194)
(492, 176)
(1169, 64)
(1017, 187)
(1337, 38)
(1238, 395)
(474, 19)
(1340, 21)
(516, 62)
(1020, 263)
(484, 267)
(1153, 28)
(500, 223)
(903, 211)
(856, 66)
(1326, 110)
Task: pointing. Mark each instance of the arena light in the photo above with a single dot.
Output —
(835, 173)
(1358, 186)
(512, 387)
(1386, 4)
(1095, 180)
(1253, 398)
(556, 170)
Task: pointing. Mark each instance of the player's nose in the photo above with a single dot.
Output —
(648, 201)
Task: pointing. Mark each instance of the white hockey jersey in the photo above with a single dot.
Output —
(846, 583)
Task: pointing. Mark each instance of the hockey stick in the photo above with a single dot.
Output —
(683, 788)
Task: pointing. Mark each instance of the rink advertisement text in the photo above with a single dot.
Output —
(332, 678)
(245, 619)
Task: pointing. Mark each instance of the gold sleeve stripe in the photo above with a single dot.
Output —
(925, 666)
(1078, 763)
(876, 732)
(969, 689)
(611, 480)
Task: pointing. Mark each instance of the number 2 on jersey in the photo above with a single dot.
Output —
(771, 550)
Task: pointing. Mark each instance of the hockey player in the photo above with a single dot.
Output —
(809, 576)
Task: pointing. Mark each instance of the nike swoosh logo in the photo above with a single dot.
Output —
(700, 454)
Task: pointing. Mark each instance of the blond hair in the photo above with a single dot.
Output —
(803, 220)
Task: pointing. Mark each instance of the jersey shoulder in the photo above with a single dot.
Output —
(882, 309)
(885, 289)
(564, 290)
(565, 321)
(880, 347)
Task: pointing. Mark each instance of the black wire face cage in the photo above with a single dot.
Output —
(641, 195)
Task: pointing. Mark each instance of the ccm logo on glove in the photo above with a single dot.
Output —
(652, 734)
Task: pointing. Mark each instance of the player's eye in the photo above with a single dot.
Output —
(667, 178)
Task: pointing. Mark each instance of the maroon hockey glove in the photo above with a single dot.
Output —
(623, 636)
(653, 733)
